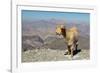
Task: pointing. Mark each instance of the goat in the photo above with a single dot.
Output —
(71, 38)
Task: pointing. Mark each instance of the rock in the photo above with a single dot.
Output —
(31, 42)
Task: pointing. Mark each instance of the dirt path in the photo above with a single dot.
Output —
(37, 55)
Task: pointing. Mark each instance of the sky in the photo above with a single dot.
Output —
(30, 15)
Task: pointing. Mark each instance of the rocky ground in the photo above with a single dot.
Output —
(41, 55)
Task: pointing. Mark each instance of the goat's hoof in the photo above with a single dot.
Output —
(67, 53)
(71, 56)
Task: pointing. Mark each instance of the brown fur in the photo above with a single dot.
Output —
(71, 38)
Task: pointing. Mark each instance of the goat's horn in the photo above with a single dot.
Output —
(62, 26)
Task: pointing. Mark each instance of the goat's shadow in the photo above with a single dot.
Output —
(76, 51)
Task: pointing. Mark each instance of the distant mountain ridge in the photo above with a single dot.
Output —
(46, 26)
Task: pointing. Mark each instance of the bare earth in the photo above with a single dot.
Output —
(41, 55)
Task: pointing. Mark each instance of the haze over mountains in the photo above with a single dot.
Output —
(41, 33)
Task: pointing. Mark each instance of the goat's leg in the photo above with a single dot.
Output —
(68, 52)
(76, 45)
(72, 50)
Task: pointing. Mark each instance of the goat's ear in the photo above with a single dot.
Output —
(62, 26)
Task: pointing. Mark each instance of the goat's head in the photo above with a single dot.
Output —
(60, 29)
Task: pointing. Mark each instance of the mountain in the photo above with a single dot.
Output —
(45, 26)
(41, 33)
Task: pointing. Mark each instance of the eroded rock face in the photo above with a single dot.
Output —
(52, 42)
(31, 42)
(55, 43)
